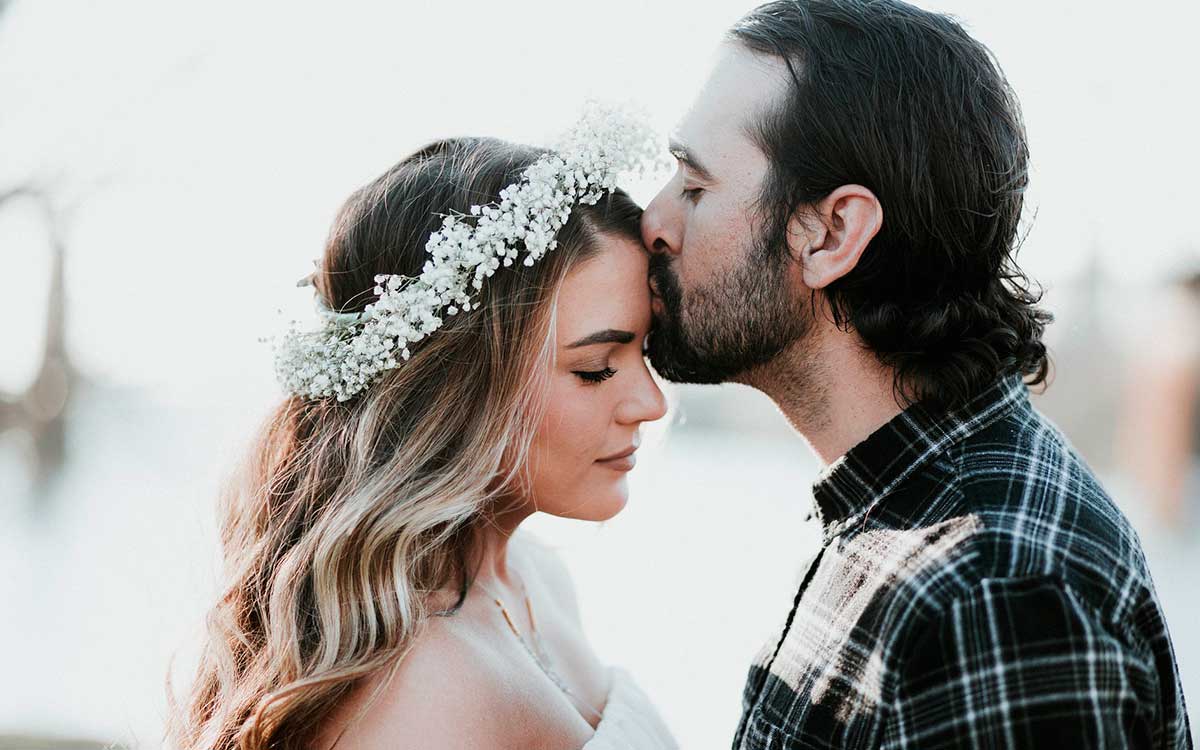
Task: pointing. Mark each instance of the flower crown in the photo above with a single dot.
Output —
(349, 351)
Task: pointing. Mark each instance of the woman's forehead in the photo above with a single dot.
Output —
(608, 290)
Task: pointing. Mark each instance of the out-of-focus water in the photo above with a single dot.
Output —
(110, 573)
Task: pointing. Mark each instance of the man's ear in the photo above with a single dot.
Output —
(828, 240)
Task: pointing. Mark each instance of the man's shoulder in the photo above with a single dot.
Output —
(1038, 510)
(1025, 481)
(1022, 452)
(1039, 576)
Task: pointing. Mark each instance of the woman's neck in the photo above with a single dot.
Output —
(492, 559)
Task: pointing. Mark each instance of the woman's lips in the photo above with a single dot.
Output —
(623, 461)
(620, 464)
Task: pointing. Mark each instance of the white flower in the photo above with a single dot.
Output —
(351, 350)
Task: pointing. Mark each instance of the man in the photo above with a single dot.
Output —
(840, 234)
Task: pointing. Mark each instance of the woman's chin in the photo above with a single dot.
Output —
(603, 506)
(611, 508)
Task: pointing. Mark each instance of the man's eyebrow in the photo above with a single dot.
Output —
(681, 152)
(607, 336)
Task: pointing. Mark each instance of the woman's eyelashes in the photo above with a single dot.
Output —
(692, 194)
(592, 377)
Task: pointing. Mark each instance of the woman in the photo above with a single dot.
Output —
(376, 594)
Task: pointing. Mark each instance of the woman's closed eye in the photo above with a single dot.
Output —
(692, 194)
(595, 376)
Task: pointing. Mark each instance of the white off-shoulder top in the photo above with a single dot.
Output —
(630, 721)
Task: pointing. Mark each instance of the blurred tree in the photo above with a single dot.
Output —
(40, 408)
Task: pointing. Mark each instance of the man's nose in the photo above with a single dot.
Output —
(660, 226)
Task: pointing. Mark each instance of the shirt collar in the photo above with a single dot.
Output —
(850, 487)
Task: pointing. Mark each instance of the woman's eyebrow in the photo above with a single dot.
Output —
(607, 336)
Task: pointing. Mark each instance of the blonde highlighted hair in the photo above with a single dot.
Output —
(346, 518)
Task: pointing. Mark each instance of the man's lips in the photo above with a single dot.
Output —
(653, 283)
(657, 306)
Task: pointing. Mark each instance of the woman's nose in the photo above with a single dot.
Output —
(646, 404)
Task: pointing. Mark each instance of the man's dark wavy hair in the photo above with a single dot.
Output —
(905, 103)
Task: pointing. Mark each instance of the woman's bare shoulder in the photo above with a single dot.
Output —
(451, 690)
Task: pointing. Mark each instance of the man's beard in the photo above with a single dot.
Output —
(741, 320)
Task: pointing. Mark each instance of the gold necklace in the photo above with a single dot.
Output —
(543, 661)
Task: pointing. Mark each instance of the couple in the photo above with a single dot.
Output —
(839, 233)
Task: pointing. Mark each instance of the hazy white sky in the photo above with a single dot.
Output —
(201, 149)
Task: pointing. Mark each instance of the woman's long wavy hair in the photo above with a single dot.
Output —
(346, 518)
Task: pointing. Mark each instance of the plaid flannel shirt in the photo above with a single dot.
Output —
(975, 588)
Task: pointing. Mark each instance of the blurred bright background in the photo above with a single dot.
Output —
(168, 170)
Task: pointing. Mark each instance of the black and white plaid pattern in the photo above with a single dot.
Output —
(975, 588)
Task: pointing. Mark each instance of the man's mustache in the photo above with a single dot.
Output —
(663, 283)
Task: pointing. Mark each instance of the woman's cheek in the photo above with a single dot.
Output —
(583, 433)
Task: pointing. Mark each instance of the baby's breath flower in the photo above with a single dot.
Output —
(351, 350)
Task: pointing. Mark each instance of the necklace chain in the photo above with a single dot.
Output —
(540, 656)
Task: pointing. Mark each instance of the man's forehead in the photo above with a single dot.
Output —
(741, 85)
